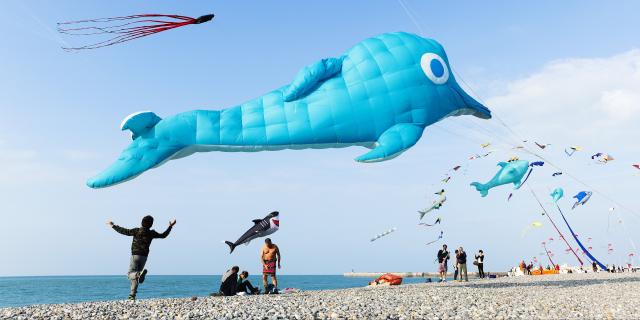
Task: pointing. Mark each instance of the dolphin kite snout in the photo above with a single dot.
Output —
(479, 109)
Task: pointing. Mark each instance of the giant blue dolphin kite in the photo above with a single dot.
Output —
(380, 94)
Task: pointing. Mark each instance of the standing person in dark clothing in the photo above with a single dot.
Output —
(229, 282)
(480, 263)
(455, 267)
(443, 257)
(594, 266)
(461, 260)
(142, 238)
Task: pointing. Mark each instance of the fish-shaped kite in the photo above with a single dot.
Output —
(435, 206)
(261, 228)
(581, 198)
(557, 194)
(602, 157)
(486, 144)
(511, 172)
(381, 94)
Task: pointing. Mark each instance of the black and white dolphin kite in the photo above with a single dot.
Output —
(261, 228)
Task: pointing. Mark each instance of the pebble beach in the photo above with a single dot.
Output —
(568, 296)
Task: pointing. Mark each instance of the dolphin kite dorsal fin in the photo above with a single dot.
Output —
(502, 164)
(139, 122)
(256, 221)
(310, 77)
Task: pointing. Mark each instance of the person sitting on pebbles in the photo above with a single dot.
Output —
(229, 283)
(142, 238)
(244, 286)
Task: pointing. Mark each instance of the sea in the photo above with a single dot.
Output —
(24, 291)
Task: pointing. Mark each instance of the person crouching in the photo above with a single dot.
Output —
(244, 286)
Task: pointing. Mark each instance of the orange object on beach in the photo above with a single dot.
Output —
(539, 272)
(387, 279)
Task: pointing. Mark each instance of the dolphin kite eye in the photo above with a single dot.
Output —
(434, 68)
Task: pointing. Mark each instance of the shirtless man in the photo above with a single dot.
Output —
(269, 256)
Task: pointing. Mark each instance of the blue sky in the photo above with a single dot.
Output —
(561, 72)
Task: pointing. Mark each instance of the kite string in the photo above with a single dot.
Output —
(554, 225)
(411, 17)
(548, 255)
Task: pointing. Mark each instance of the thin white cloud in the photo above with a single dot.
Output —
(576, 99)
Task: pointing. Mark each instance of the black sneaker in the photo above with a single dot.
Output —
(132, 297)
(142, 275)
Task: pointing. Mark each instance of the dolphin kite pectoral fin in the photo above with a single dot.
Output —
(393, 142)
(133, 161)
(310, 77)
(139, 122)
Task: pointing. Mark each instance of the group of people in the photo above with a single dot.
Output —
(232, 282)
(460, 264)
(238, 284)
(527, 268)
(620, 269)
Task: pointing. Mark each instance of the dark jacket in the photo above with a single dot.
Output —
(142, 238)
(443, 255)
(461, 257)
(229, 283)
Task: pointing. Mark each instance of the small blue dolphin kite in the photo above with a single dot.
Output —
(557, 194)
(510, 172)
(380, 94)
(581, 198)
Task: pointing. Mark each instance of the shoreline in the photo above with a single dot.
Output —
(566, 296)
(416, 274)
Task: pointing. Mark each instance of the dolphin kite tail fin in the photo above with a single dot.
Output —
(231, 246)
(481, 187)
